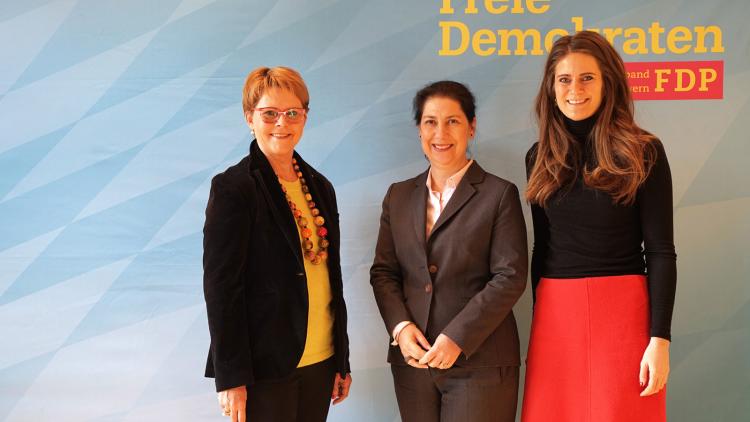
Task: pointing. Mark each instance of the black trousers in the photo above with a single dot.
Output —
(303, 396)
(456, 394)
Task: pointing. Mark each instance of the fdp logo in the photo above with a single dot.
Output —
(695, 80)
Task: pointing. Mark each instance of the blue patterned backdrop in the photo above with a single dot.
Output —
(115, 114)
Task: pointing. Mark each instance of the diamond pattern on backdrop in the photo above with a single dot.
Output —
(115, 116)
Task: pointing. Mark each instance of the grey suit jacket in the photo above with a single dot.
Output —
(464, 279)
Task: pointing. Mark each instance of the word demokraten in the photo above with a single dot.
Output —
(457, 37)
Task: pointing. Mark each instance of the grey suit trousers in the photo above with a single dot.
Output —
(457, 394)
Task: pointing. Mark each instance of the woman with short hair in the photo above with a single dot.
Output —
(449, 265)
(272, 272)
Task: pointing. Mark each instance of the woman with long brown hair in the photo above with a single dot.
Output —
(603, 266)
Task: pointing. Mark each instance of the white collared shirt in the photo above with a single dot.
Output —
(436, 201)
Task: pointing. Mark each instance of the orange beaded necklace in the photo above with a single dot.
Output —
(315, 257)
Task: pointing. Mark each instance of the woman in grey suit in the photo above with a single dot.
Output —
(449, 265)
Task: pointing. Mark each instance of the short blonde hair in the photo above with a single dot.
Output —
(264, 78)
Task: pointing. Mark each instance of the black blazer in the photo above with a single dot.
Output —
(465, 278)
(254, 277)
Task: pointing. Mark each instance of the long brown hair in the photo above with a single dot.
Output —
(623, 152)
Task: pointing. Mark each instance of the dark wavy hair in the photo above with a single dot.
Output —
(446, 89)
(623, 153)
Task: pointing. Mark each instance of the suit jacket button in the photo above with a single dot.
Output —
(432, 269)
(428, 288)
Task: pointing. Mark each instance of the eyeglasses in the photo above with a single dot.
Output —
(271, 114)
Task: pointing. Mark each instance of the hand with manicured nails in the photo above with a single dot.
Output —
(413, 345)
(655, 366)
(442, 354)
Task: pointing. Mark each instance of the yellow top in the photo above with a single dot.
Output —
(319, 341)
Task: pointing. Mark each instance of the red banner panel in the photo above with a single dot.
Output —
(696, 80)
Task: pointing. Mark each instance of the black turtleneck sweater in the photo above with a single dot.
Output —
(582, 233)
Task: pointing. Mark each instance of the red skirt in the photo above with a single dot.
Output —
(588, 336)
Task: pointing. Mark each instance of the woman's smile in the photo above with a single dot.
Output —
(441, 147)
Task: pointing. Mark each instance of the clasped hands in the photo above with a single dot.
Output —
(418, 352)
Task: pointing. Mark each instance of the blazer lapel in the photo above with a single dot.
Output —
(464, 191)
(269, 185)
(418, 204)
